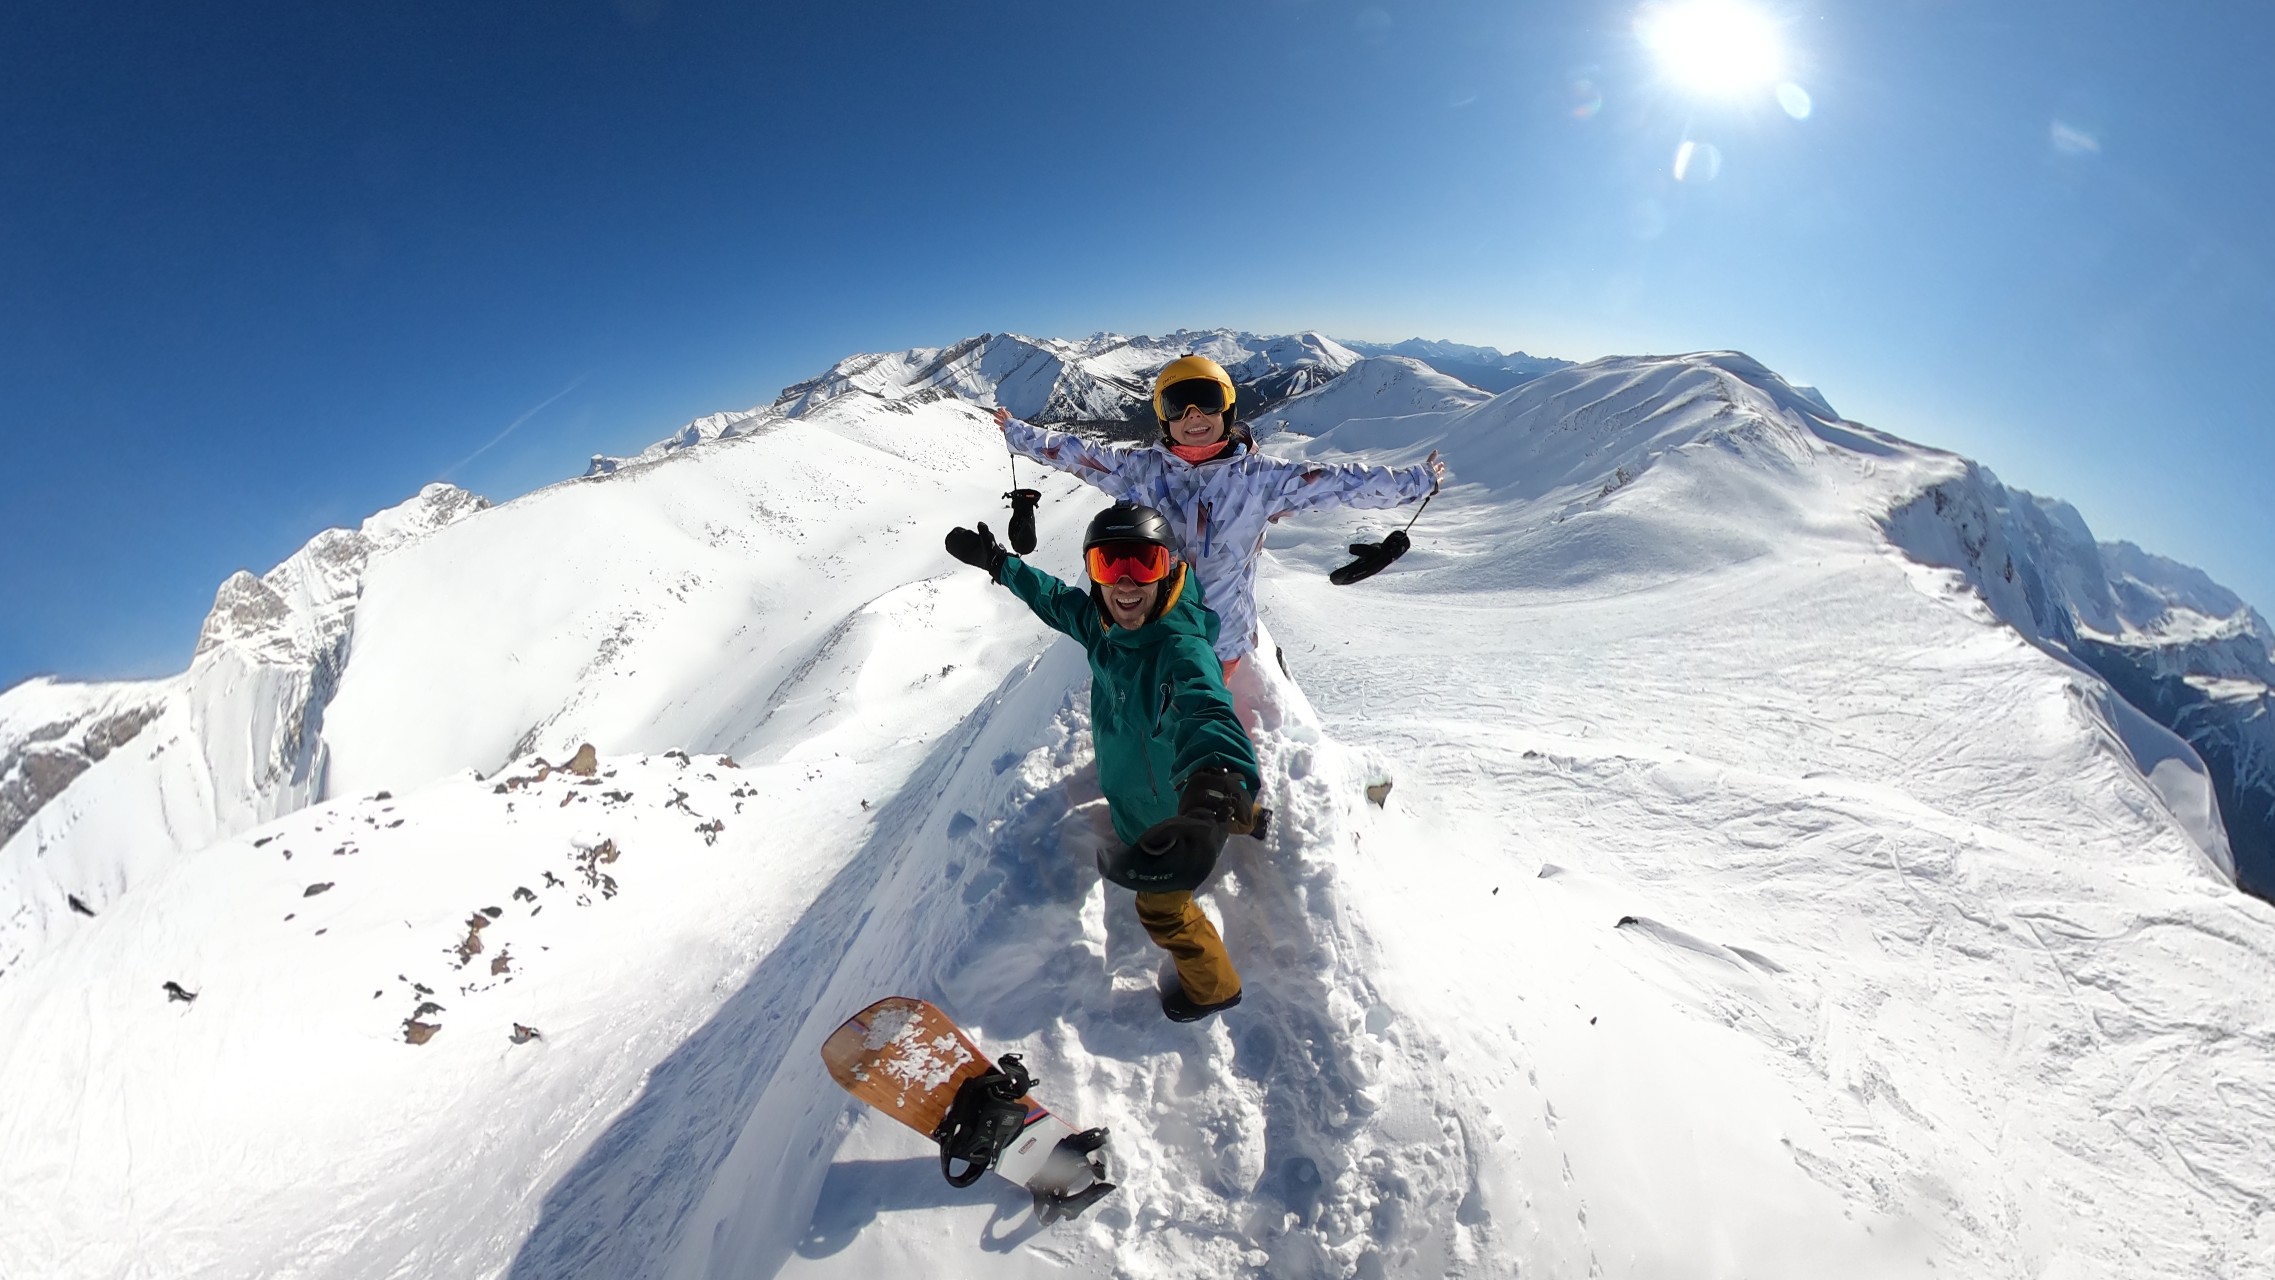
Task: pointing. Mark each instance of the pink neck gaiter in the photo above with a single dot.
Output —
(1199, 452)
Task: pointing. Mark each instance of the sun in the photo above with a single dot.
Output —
(1723, 48)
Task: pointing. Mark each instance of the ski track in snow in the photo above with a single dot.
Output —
(1896, 912)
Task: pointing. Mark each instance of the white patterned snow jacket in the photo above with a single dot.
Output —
(1219, 508)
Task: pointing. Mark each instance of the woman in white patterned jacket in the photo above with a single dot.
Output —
(1219, 494)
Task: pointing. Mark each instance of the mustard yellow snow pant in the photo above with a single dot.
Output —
(1176, 925)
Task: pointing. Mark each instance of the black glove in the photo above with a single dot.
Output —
(1174, 854)
(1371, 558)
(979, 550)
(1221, 796)
(1023, 518)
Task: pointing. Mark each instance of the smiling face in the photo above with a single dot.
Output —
(1197, 427)
(1129, 602)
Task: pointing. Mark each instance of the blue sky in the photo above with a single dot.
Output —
(268, 267)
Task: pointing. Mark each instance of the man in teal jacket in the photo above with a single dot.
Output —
(1178, 771)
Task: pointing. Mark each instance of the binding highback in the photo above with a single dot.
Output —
(989, 1111)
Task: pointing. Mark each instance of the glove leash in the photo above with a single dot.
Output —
(1420, 509)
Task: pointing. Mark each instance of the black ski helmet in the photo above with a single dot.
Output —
(1133, 522)
(1129, 522)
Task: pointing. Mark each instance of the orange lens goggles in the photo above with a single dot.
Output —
(1141, 562)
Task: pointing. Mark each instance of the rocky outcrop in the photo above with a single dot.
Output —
(273, 648)
(38, 768)
(2231, 724)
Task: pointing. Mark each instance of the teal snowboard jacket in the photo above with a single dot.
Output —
(1158, 705)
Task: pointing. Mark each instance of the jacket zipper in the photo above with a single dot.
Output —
(1160, 713)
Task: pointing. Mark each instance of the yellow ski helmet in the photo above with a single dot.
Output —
(1191, 369)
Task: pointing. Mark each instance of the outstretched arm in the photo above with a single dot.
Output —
(1061, 607)
(1307, 487)
(1112, 468)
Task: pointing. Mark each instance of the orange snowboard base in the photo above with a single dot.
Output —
(907, 1059)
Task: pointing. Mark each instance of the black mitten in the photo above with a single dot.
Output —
(1219, 795)
(1023, 518)
(979, 550)
(1371, 558)
(1174, 854)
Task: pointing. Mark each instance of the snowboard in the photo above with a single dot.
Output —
(909, 1060)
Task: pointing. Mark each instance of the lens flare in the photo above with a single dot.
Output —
(1795, 100)
(1722, 48)
(1587, 99)
(1697, 161)
(2073, 141)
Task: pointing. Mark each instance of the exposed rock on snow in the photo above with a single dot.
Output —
(38, 765)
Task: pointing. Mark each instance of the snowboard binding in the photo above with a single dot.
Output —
(989, 1111)
(1076, 1158)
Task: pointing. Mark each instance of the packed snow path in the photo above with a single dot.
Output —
(1309, 1137)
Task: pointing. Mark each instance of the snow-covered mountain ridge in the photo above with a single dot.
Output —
(2179, 648)
(234, 740)
(1747, 889)
(1486, 368)
(1105, 378)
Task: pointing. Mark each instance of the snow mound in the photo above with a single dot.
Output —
(1374, 387)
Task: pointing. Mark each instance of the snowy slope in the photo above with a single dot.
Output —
(1376, 387)
(100, 784)
(2179, 648)
(1749, 898)
(1486, 368)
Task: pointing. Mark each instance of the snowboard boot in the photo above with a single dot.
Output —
(1179, 1007)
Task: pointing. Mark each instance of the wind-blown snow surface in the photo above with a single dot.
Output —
(1748, 900)
(2177, 646)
